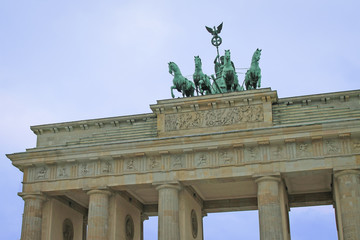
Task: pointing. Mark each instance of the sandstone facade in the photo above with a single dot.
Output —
(192, 156)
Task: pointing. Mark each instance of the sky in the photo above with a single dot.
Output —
(73, 60)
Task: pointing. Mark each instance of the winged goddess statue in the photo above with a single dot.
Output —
(216, 40)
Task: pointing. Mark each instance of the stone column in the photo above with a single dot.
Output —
(31, 224)
(269, 205)
(143, 217)
(168, 212)
(348, 203)
(85, 224)
(98, 214)
(203, 214)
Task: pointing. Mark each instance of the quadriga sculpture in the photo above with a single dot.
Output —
(253, 75)
(201, 80)
(180, 83)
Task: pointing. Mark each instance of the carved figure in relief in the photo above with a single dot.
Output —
(62, 172)
(277, 151)
(213, 118)
(202, 160)
(41, 173)
(154, 163)
(253, 153)
(130, 165)
(356, 146)
(303, 147)
(177, 162)
(84, 169)
(225, 158)
(331, 147)
(107, 168)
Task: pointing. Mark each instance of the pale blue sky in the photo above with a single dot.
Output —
(74, 60)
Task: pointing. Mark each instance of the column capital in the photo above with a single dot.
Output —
(346, 172)
(144, 217)
(99, 191)
(161, 185)
(268, 178)
(203, 213)
(32, 195)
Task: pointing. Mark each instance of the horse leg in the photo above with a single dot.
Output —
(259, 82)
(172, 93)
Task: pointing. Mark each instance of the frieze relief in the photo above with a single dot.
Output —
(202, 159)
(214, 118)
(178, 161)
(107, 167)
(225, 157)
(131, 165)
(356, 146)
(332, 147)
(277, 152)
(303, 149)
(154, 163)
(252, 153)
(197, 159)
(63, 171)
(42, 173)
(86, 169)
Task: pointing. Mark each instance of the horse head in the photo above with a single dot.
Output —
(171, 67)
(227, 56)
(256, 55)
(197, 60)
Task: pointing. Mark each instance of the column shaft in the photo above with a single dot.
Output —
(270, 217)
(349, 203)
(143, 217)
(98, 215)
(31, 224)
(168, 212)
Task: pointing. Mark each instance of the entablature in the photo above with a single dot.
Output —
(333, 140)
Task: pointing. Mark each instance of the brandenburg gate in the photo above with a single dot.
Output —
(100, 179)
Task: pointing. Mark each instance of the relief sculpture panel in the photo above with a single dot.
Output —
(214, 118)
(86, 169)
(201, 159)
(42, 173)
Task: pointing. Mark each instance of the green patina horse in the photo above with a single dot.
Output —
(253, 75)
(201, 80)
(229, 75)
(181, 83)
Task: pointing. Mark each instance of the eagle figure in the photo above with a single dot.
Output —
(215, 31)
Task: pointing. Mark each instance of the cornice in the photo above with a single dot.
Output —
(260, 136)
(86, 124)
(323, 97)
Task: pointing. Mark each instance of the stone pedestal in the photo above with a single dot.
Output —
(347, 193)
(168, 212)
(98, 215)
(270, 209)
(31, 225)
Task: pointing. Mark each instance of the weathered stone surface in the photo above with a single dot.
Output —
(168, 211)
(98, 215)
(214, 118)
(216, 145)
(348, 203)
(32, 218)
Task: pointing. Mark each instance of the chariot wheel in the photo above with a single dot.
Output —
(216, 41)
